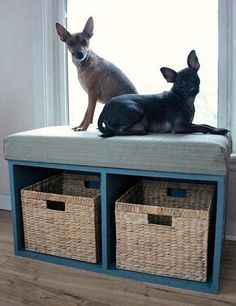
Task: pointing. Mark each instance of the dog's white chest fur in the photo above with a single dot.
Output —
(162, 127)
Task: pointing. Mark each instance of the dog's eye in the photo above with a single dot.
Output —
(83, 42)
(70, 43)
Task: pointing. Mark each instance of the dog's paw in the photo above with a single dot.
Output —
(219, 131)
(75, 128)
(79, 128)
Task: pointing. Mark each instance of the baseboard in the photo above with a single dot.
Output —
(230, 237)
(5, 202)
(230, 230)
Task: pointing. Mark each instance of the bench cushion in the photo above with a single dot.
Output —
(190, 153)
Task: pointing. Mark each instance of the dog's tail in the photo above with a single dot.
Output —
(104, 128)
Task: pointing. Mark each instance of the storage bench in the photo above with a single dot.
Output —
(120, 162)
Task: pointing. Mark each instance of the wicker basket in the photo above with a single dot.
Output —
(61, 216)
(162, 228)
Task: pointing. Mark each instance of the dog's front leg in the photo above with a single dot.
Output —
(88, 118)
(199, 128)
(208, 129)
(90, 110)
(78, 127)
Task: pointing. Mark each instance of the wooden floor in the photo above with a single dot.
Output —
(29, 282)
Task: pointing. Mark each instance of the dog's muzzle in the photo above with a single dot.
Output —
(80, 56)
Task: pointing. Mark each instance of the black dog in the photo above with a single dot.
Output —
(168, 112)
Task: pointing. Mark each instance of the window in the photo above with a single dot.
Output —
(130, 44)
(142, 36)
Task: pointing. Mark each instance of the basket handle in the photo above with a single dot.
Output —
(176, 192)
(55, 205)
(160, 220)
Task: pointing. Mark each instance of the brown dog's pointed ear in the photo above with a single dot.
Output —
(62, 32)
(88, 29)
(169, 74)
(193, 61)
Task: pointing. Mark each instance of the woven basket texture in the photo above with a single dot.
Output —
(61, 217)
(164, 234)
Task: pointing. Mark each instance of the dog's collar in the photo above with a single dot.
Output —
(176, 95)
(190, 107)
(84, 60)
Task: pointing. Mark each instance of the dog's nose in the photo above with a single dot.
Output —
(80, 55)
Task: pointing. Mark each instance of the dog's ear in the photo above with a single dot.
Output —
(88, 29)
(169, 74)
(193, 61)
(62, 32)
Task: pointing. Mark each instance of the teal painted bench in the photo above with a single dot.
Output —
(119, 161)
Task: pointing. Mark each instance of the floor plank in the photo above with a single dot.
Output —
(29, 282)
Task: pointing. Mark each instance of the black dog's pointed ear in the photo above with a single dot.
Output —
(88, 28)
(62, 32)
(169, 74)
(193, 61)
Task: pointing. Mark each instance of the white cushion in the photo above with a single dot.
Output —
(189, 153)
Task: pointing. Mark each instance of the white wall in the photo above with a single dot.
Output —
(17, 112)
(16, 88)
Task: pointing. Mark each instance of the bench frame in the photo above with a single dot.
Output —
(113, 182)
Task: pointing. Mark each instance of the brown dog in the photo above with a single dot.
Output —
(99, 78)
